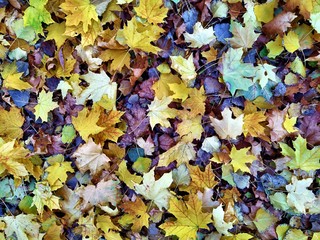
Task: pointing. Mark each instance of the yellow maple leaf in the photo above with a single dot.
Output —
(182, 152)
(185, 68)
(11, 123)
(159, 112)
(180, 90)
(11, 78)
(87, 38)
(239, 159)
(75, 10)
(190, 129)
(45, 105)
(190, 218)
(289, 123)
(161, 87)
(275, 47)
(201, 179)
(13, 81)
(86, 123)
(264, 12)
(210, 55)
(291, 41)
(125, 176)
(138, 36)
(88, 227)
(152, 10)
(228, 127)
(136, 210)
(56, 32)
(196, 102)
(119, 57)
(105, 223)
(252, 124)
(43, 196)
(11, 159)
(89, 156)
(57, 174)
(111, 132)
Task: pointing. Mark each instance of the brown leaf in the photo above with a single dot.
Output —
(279, 24)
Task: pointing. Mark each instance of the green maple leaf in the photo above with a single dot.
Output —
(36, 14)
(236, 74)
(301, 157)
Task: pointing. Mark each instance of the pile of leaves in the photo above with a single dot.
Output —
(189, 119)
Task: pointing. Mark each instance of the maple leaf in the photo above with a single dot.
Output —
(305, 7)
(155, 190)
(70, 204)
(11, 123)
(75, 9)
(58, 174)
(218, 221)
(23, 226)
(291, 41)
(200, 36)
(185, 67)
(279, 24)
(252, 124)
(11, 159)
(210, 55)
(243, 37)
(43, 196)
(159, 112)
(108, 121)
(264, 12)
(99, 85)
(264, 73)
(240, 158)
(136, 210)
(105, 223)
(11, 78)
(236, 74)
(299, 197)
(228, 127)
(301, 157)
(88, 227)
(124, 175)
(190, 218)
(36, 14)
(190, 129)
(86, 123)
(45, 105)
(87, 38)
(137, 36)
(180, 90)
(263, 220)
(201, 179)
(103, 193)
(56, 32)
(275, 119)
(275, 47)
(119, 57)
(182, 152)
(196, 102)
(90, 157)
(152, 10)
